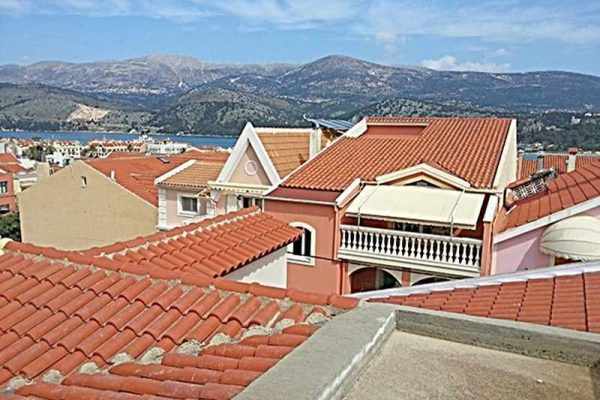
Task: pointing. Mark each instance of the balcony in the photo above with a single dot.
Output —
(452, 256)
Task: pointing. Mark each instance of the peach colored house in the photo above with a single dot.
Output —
(262, 158)
(549, 222)
(397, 201)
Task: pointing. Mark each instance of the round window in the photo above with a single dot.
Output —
(251, 168)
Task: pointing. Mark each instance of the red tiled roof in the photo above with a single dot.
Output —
(138, 174)
(568, 301)
(8, 158)
(563, 192)
(469, 148)
(195, 176)
(12, 168)
(211, 248)
(558, 162)
(286, 149)
(97, 333)
(125, 154)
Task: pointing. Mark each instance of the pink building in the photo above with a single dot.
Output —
(551, 221)
(396, 202)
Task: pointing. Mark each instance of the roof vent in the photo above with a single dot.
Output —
(163, 160)
(113, 175)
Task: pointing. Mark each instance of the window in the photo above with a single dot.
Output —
(83, 182)
(232, 203)
(188, 205)
(4, 209)
(3, 187)
(302, 251)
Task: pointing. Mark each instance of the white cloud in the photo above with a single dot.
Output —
(294, 14)
(502, 21)
(450, 63)
(13, 6)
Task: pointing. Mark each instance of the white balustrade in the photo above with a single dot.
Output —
(458, 251)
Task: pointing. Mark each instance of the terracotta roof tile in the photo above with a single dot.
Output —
(211, 248)
(195, 176)
(137, 174)
(385, 148)
(56, 316)
(565, 191)
(287, 150)
(558, 162)
(569, 302)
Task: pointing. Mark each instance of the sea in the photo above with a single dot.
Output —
(85, 137)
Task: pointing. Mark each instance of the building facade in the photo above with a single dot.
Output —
(392, 203)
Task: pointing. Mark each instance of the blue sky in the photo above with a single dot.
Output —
(486, 35)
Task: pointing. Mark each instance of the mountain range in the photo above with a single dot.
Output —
(175, 93)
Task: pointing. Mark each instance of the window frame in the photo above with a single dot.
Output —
(303, 259)
(181, 211)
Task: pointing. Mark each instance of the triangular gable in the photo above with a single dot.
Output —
(422, 172)
(249, 138)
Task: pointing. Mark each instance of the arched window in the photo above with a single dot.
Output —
(302, 251)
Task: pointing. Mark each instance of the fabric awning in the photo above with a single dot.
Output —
(420, 205)
(575, 238)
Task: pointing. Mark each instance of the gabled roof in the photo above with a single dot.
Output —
(287, 148)
(208, 249)
(566, 297)
(137, 174)
(193, 176)
(72, 330)
(469, 148)
(279, 150)
(567, 190)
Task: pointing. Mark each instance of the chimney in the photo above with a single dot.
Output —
(539, 162)
(113, 175)
(572, 159)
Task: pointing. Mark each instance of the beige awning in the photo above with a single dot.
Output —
(575, 238)
(421, 205)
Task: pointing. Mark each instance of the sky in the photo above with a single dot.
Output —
(484, 35)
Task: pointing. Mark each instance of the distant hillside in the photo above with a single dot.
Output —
(334, 83)
(182, 94)
(155, 75)
(220, 111)
(39, 107)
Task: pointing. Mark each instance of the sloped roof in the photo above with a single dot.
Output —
(10, 164)
(100, 332)
(565, 191)
(287, 148)
(558, 162)
(125, 154)
(195, 176)
(211, 248)
(469, 148)
(137, 174)
(8, 158)
(562, 297)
